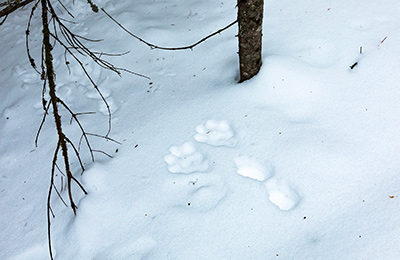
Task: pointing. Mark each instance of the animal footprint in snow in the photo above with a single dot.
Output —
(217, 133)
(199, 192)
(29, 78)
(281, 194)
(251, 168)
(185, 159)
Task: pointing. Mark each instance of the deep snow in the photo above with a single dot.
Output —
(300, 162)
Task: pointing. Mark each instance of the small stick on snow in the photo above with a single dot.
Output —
(352, 66)
(384, 39)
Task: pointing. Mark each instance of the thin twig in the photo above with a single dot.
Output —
(153, 46)
(100, 151)
(78, 114)
(111, 54)
(49, 199)
(105, 137)
(65, 8)
(27, 32)
(59, 195)
(80, 126)
(80, 185)
(2, 22)
(59, 170)
(91, 81)
(41, 124)
(76, 154)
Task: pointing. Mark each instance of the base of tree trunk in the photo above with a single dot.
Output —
(250, 17)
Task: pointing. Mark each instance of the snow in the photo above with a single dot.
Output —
(185, 159)
(300, 162)
(215, 133)
(251, 168)
(282, 195)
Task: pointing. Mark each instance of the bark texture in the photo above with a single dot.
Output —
(11, 6)
(250, 16)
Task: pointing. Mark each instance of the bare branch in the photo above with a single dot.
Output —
(60, 171)
(53, 27)
(90, 79)
(13, 7)
(80, 185)
(27, 32)
(82, 113)
(41, 124)
(80, 126)
(65, 8)
(76, 154)
(105, 137)
(5, 18)
(153, 46)
(49, 199)
(59, 195)
(100, 151)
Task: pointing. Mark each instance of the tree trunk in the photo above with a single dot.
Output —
(250, 16)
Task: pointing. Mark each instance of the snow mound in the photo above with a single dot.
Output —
(281, 194)
(185, 159)
(216, 133)
(197, 192)
(249, 167)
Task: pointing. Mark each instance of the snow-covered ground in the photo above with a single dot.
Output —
(301, 162)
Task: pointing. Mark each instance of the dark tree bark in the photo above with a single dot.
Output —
(250, 16)
(11, 6)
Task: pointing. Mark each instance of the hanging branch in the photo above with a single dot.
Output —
(5, 18)
(49, 210)
(12, 6)
(54, 100)
(153, 46)
(54, 29)
(61, 143)
(27, 32)
(74, 46)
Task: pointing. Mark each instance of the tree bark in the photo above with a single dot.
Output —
(12, 6)
(250, 16)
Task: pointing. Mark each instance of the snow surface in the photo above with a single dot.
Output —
(318, 142)
(215, 133)
(251, 168)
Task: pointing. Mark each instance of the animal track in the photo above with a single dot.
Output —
(205, 191)
(29, 78)
(251, 168)
(216, 133)
(200, 192)
(185, 159)
(281, 194)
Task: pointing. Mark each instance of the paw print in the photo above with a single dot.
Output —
(281, 194)
(197, 192)
(185, 159)
(249, 167)
(216, 133)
